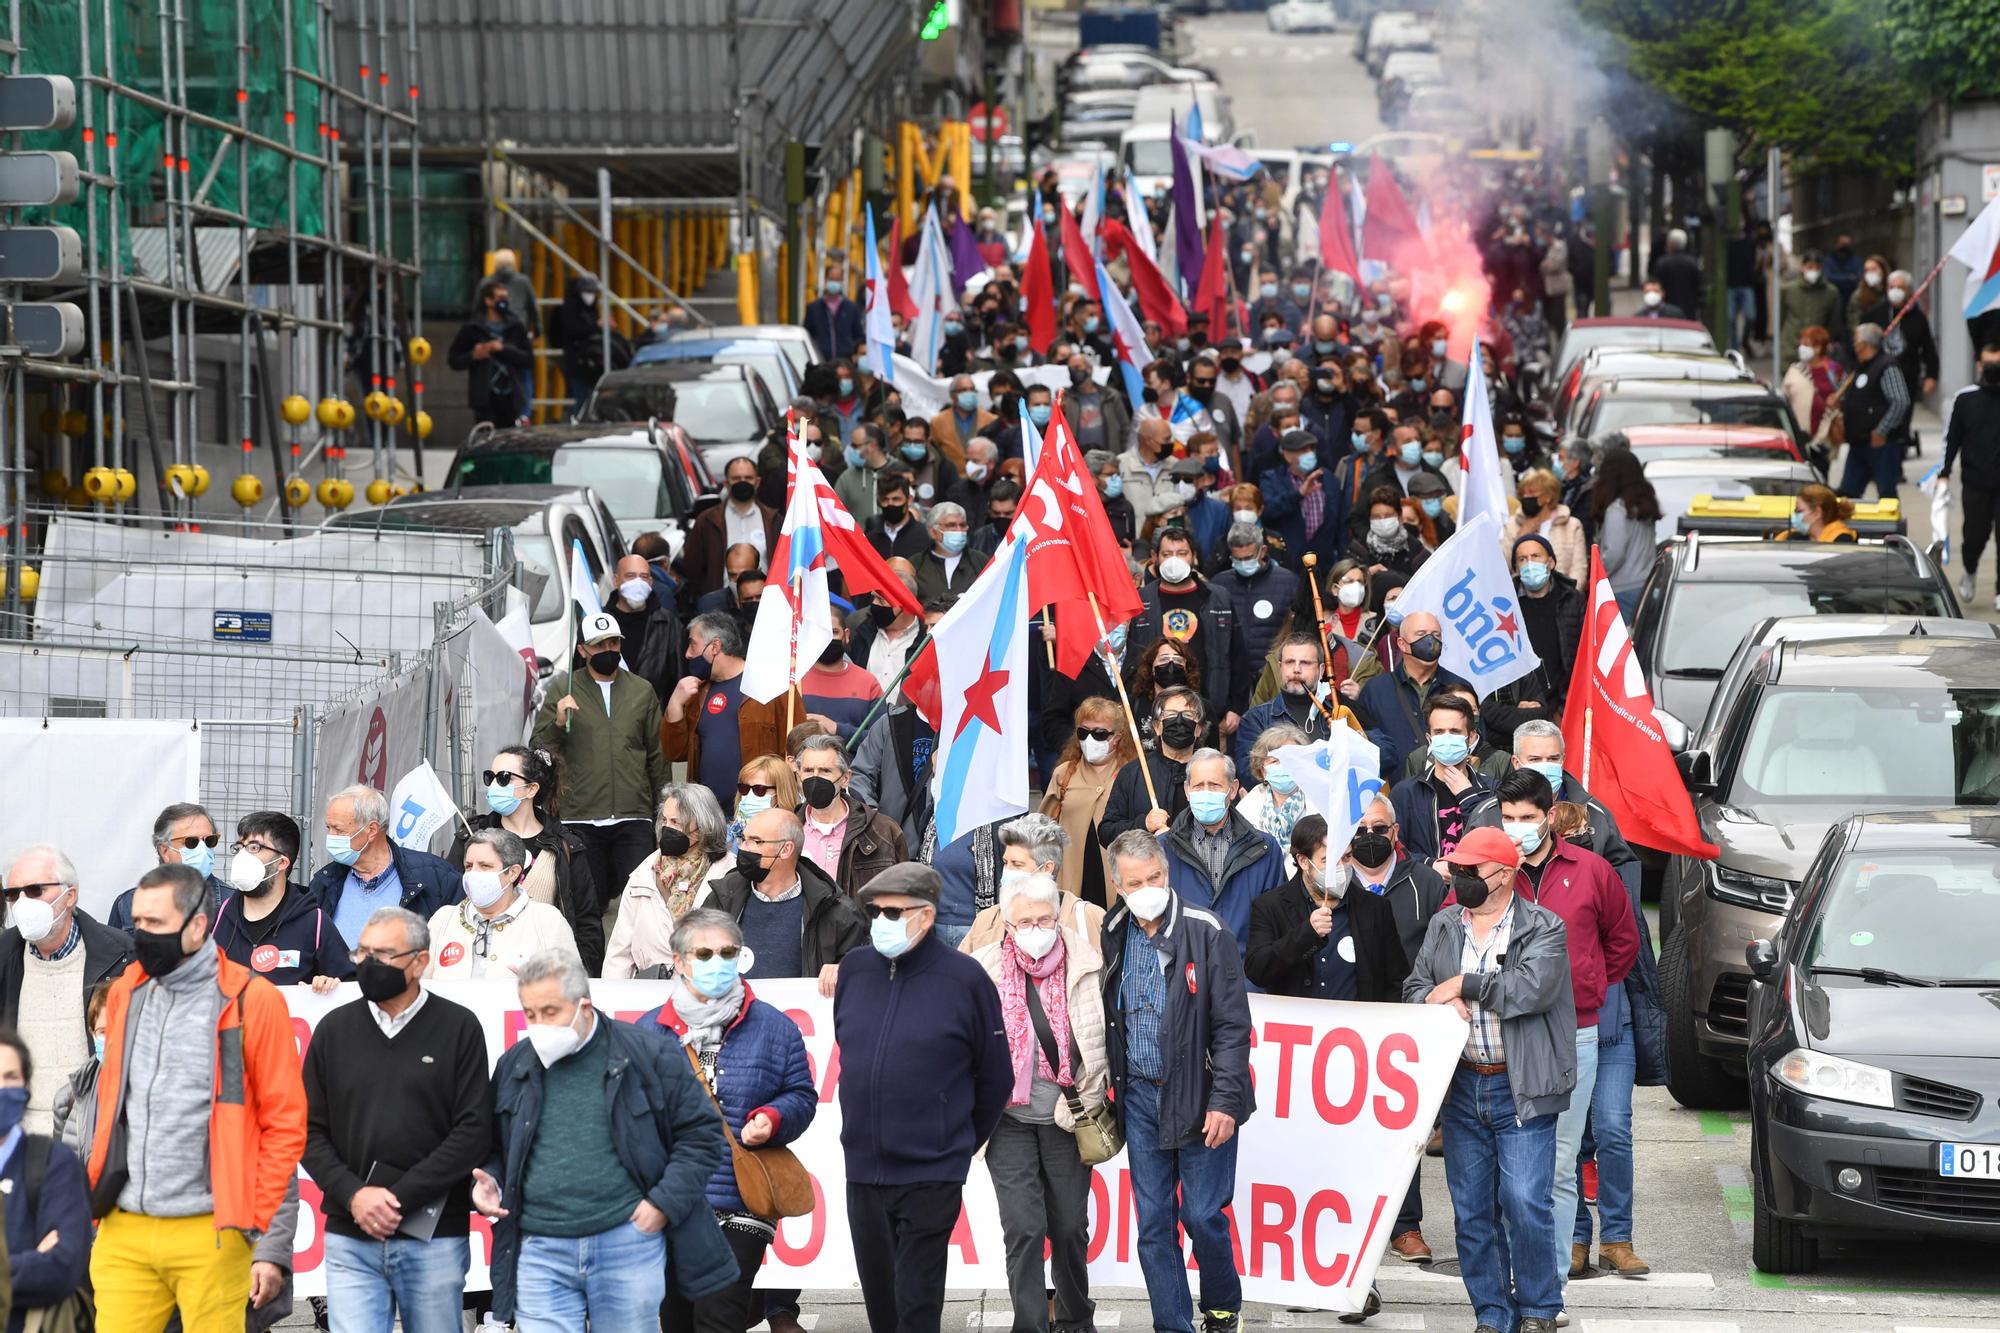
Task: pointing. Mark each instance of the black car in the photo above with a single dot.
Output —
(726, 408)
(1875, 1049)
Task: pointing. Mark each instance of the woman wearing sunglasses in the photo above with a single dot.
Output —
(693, 853)
(753, 1061)
(498, 927)
(765, 783)
(1100, 745)
(521, 788)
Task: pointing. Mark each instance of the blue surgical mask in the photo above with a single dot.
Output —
(340, 848)
(714, 977)
(1324, 345)
(1411, 452)
(97, 1045)
(916, 453)
(1114, 486)
(1553, 771)
(1798, 524)
(1208, 807)
(846, 387)
(1432, 506)
(952, 542)
(1268, 290)
(852, 456)
(968, 401)
(751, 805)
(1308, 461)
(501, 800)
(1039, 413)
(1247, 568)
(890, 938)
(199, 858)
(1279, 780)
(1417, 385)
(1534, 575)
(1359, 440)
(1448, 750)
(1438, 346)
(1525, 834)
(1513, 444)
(952, 328)
(1090, 324)
(1434, 457)
(13, 1104)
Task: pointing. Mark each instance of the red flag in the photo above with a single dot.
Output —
(861, 568)
(1336, 237)
(899, 286)
(1211, 296)
(1612, 741)
(1390, 227)
(1156, 299)
(920, 686)
(1072, 553)
(1038, 294)
(1076, 255)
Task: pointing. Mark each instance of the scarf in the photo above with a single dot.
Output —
(706, 1020)
(1392, 545)
(1051, 987)
(1281, 811)
(678, 878)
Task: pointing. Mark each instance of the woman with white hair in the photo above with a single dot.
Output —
(498, 926)
(693, 852)
(1050, 977)
(1032, 845)
(1274, 804)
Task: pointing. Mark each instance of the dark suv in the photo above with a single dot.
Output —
(1820, 731)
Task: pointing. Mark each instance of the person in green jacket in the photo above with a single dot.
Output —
(605, 722)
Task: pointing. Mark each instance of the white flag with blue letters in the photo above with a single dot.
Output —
(1338, 777)
(1467, 586)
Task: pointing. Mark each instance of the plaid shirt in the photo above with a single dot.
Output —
(1312, 508)
(1142, 994)
(1484, 1045)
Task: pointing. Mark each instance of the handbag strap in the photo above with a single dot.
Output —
(694, 1063)
(1045, 1034)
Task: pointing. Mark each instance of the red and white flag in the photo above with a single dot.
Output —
(1612, 740)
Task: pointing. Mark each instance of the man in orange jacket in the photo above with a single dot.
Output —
(201, 1118)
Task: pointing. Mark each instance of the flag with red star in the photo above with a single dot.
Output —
(980, 651)
(1467, 584)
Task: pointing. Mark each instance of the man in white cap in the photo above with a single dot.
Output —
(606, 723)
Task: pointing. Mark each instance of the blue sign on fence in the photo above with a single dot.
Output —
(242, 626)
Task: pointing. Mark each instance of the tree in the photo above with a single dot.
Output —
(1951, 46)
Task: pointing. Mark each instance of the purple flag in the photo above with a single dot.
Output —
(1187, 217)
(965, 261)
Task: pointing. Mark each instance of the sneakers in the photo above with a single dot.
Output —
(1579, 1259)
(1533, 1324)
(1369, 1309)
(1410, 1247)
(1221, 1321)
(1589, 1174)
(1965, 586)
(1562, 1319)
(1617, 1257)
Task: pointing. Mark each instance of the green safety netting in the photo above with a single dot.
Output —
(52, 37)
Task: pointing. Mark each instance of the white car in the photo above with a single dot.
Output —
(1302, 16)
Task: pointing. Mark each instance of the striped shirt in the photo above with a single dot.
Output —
(1485, 1046)
(1142, 994)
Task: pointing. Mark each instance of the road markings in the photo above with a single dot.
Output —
(1659, 1326)
(1676, 1281)
(1327, 1319)
(806, 1321)
(1005, 1319)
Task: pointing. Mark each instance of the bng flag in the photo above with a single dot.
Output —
(1466, 585)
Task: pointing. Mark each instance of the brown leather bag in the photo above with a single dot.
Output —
(773, 1182)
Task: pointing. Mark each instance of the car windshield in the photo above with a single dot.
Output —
(1150, 157)
(1677, 494)
(1705, 621)
(1934, 915)
(1580, 341)
(534, 548)
(1618, 413)
(628, 480)
(767, 363)
(1650, 452)
(1872, 746)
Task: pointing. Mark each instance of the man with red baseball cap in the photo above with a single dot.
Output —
(1502, 963)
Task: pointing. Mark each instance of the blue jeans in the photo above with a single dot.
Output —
(1882, 465)
(370, 1284)
(613, 1281)
(1501, 1173)
(1206, 1178)
(1611, 1126)
(1742, 313)
(1569, 1138)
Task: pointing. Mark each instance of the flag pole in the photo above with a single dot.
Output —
(909, 660)
(792, 684)
(1125, 702)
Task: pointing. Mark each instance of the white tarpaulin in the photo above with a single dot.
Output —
(67, 773)
(488, 693)
(1346, 1094)
(372, 738)
(926, 395)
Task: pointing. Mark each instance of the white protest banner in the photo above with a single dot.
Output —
(1467, 586)
(926, 395)
(1346, 1094)
(1338, 777)
(419, 807)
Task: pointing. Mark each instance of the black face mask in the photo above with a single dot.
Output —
(1371, 849)
(1470, 890)
(1428, 648)
(1079, 378)
(742, 491)
(673, 842)
(1230, 365)
(820, 792)
(1169, 673)
(1989, 374)
(160, 951)
(604, 663)
(699, 667)
(832, 653)
(1201, 393)
(381, 981)
(1531, 505)
(892, 515)
(752, 869)
(883, 614)
(1178, 731)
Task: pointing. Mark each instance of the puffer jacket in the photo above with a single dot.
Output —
(1254, 867)
(761, 1067)
(1261, 605)
(1083, 977)
(1564, 533)
(576, 892)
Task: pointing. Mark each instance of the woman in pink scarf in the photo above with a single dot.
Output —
(1049, 972)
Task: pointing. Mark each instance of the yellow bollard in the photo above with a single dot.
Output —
(746, 289)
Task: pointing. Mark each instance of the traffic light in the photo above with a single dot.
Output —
(39, 254)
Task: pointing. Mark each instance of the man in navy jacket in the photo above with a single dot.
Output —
(925, 1073)
(364, 860)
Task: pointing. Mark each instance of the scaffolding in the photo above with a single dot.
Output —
(249, 198)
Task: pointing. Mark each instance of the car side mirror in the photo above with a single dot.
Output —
(1673, 730)
(1762, 955)
(1696, 768)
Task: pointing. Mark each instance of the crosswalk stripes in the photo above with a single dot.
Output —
(1004, 1318)
(1677, 1281)
(1658, 1326)
(808, 1322)
(1327, 1319)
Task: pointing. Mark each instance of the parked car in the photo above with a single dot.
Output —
(1631, 333)
(798, 344)
(1623, 402)
(651, 477)
(1819, 732)
(1094, 116)
(1677, 481)
(1302, 16)
(725, 409)
(1710, 440)
(1121, 67)
(542, 522)
(1629, 363)
(768, 357)
(1874, 1059)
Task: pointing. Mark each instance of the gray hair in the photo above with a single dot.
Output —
(831, 744)
(65, 868)
(416, 930)
(719, 627)
(1268, 743)
(1868, 333)
(1035, 888)
(697, 805)
(791, 829)
(1208, 752)
(1540, 726)
(982, 446)
(370, 806)
(1676, 239)
(190, 889)
(173, 815)
(1244, 534)
(945, 509)
(700, 919)
(1173, 692)
(1133, 845)
(557, 964)
(505, 844)
(1901, 275)
(1044, 840)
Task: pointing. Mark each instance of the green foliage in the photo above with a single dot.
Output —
(1951, 46)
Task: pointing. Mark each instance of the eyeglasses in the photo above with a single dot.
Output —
(1093, 733)
(754, 788)
(502, 777)
(187, 844)
(727, 951)
(1039, 923)
(1373, 828)
(892, 913)
(360, 956)
(254, 847)
(13, 895)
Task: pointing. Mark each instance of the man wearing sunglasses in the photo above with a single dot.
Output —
(183, 835)
(52, 955)
(793, 916)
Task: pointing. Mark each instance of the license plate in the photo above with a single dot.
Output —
(1976, 1161)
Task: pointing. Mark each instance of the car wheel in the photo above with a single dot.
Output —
(1777, 1245)
(1697, 1081)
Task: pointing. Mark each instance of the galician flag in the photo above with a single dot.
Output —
(932, 290)
(1465, 584)
(1479, 452)
(881, 329)
(1128, 340)
(1338, 777)
(794, 618)
(582, 586)
(1979, 250)
(980, 768)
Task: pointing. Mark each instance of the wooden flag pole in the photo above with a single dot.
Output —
(1125, 702)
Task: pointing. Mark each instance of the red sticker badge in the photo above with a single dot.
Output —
(717, 702)
(264, 957)
(451, 954)
(1190, 977)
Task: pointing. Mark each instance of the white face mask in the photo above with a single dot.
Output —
(588, 298)
(1898, 295)
(1036, 941)
(1096, 751)
(34, 918)
(1653, 298)
(1175, 569)
(1333, 881)
(1872, 278)
(482, 887)
(1150, 903)
(1186, 490)
(1811, 275)
(247, 873)
(1385, 527)
(1243, 515)
(1805, 352)
(635, 590)
(976, 471)
(1352, 595)
(554, 1041)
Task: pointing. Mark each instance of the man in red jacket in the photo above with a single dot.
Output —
(1580, 887)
